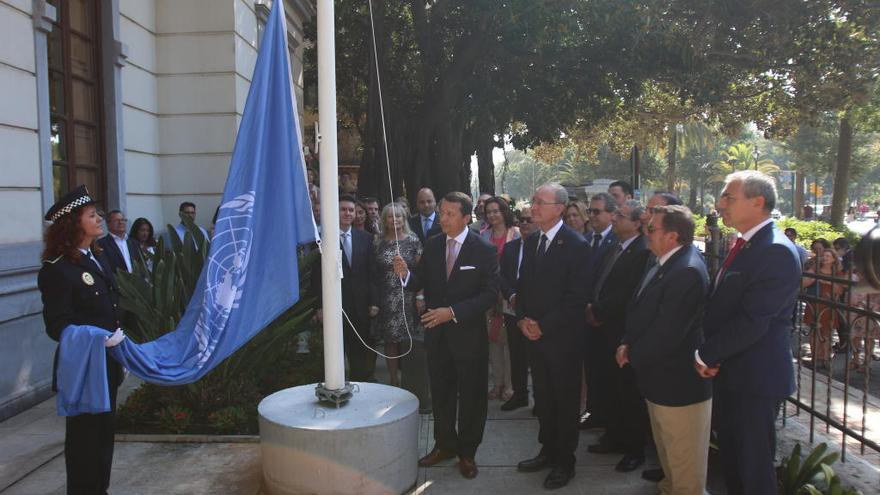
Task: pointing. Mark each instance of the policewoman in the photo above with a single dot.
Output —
(78, 288)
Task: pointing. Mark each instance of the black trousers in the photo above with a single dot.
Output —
(88, 450)
(361, 361)
(556, 378)
(519, 365)
(747, 438)
(600, 373)
(459, 387)
(628, 425)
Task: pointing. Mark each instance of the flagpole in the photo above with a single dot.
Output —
(331, 263)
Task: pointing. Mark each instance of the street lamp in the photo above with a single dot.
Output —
(757, 153)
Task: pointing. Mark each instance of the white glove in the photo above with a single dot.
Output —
(114, 340)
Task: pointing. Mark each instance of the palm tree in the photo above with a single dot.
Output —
(740, 156)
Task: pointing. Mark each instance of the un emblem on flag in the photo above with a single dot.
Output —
(226, 270)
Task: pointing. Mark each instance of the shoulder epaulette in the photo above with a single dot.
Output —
(52, 262)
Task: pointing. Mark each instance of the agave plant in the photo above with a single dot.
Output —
(813, 476)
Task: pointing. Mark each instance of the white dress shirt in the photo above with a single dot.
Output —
(122, 244)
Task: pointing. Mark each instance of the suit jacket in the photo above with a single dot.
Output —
(664, 325)
(415, 224)
(356, 276)
(622, 281)
(553, 291)
(508, 267)
(471, 290)
(748, 318)
(114, 255)
(80, 294)
(599, 257)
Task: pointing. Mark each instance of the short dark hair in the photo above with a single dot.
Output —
(503, 207)
(678, 219)
(463, 200)
(186, 204)
(669, 198)
(626, 186)
(610, 202)
(841, 242)
(111, 212)
(791, 230)
(370, 199)
(347, 198)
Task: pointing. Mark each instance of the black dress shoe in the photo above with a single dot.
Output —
(656, 475)
(630, 462)
(590, 423)
(514, 403)
(558, 477)
(536, 463)
(604, 448)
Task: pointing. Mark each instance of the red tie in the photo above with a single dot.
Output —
(731, 255)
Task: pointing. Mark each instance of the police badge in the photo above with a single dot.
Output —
(88, 279)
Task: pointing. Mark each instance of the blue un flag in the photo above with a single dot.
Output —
(250, 276)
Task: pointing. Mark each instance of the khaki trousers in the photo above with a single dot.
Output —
(682, 438)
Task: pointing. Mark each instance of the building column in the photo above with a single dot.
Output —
(43, 15)
(114, 54)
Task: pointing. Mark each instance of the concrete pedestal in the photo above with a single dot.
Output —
(368, 446)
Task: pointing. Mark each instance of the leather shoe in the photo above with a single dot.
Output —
(656, 475)
(604, 448)
(514, 403)
(558, 477)
(467, 468)
(536, 463)
(590, 422)
(436, 455)
(629, 463)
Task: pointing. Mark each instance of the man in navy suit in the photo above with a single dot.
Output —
(748, 325)
(459, 273)
(511, 262)
(551, 298)
(425, 223)
(357, 262)
(663, 325)
(122, 252)
(597, 354)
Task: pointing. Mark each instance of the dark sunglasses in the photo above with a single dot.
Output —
(595, 211)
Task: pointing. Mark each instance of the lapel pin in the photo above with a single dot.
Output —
(559, 242)
(87, 278)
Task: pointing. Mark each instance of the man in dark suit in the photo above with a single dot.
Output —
(595, 354)
(663, 325)
(357, 262)
(511, 261)
(748, 325)
(425, 223)
(459, 274)
(550, 304)
(122, 252)
(615, 283)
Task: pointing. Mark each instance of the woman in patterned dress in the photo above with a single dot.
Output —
(394, 310)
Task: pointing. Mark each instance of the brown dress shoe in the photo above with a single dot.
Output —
(436, 455)
(468, 468)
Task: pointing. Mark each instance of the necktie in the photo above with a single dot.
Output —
(648, 277)
(426, 225)
(542, 246)
(94, 260)
(450, 256)
(610, 260)
(730, 256)
(597, 240)
(346, 245)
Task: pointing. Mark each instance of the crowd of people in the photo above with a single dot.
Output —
(606, 304)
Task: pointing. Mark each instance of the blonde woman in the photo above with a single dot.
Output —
(576, 217)
(394, 311)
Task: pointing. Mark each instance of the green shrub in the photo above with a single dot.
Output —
(810, 230)
(813, 476)
(174, 419)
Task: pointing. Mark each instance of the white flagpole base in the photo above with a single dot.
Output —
(368, 446)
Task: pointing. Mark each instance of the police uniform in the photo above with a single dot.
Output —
(83, 292)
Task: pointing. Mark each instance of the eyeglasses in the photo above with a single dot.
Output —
(541, 202)
(595, 211)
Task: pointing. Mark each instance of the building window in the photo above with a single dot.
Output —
(75, 98)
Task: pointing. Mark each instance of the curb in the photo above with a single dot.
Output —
(161, 438)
